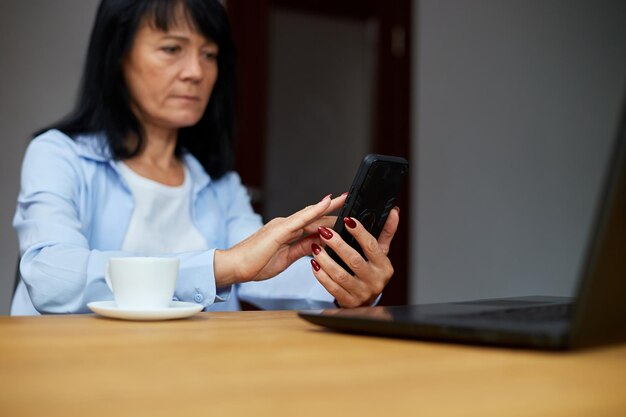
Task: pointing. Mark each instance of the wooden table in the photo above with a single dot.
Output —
(275, 364)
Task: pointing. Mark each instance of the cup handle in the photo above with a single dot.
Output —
(107, 277)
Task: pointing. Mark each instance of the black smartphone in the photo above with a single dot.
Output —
(373, 194)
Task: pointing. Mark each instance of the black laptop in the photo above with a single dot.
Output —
(595, 315)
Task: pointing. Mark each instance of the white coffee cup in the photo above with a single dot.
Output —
(142, 283)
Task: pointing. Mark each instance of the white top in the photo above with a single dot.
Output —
(161, 221)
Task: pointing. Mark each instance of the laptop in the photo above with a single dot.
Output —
(595, 315)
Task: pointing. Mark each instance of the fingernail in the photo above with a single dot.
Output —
(397, 209)
(324, 232)
(346, 193)
(348, 221)
(315, 265)
(316, 249)
(328, 196)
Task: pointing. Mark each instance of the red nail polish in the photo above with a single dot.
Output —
(315, 265)
(348, 221)
(345, 193)
(316, 249)
(325, 197)
(324, 232)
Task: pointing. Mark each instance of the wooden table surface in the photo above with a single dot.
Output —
(275, 364)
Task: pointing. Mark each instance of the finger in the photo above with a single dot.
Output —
(357, 285)
(368, 280)
(337, 203)
(389, 230)
(343, 297)
(379, 268)
(341, 294)
(353, 259)
(326, 221)
(302, 247)
(308, 214)
(370, 246)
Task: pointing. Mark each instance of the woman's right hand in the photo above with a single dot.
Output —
(276, 245)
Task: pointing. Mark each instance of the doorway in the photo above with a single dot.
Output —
(321, 83)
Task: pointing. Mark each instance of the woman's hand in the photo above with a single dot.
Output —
(276, 245)
(370, 275)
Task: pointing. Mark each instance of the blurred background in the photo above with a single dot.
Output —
(504, 108)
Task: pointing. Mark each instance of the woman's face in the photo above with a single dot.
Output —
(170, 76)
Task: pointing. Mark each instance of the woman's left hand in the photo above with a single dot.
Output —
(371, 275)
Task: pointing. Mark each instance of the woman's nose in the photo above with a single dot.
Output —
(192, 68)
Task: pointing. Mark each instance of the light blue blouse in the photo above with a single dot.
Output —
(72, 214)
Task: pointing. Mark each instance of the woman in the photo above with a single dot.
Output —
(143, 166)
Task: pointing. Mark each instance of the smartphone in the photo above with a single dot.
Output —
(373, 194)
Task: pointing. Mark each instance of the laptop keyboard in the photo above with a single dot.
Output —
(542, 313)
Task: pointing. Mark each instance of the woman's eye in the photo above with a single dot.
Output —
(170, 49)
(210, 56)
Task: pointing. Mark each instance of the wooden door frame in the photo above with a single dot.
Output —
(391, 124)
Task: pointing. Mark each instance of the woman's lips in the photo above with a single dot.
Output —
(186, 97)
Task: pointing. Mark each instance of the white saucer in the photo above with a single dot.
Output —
(176, 310)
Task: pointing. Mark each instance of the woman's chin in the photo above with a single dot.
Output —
(188, 121)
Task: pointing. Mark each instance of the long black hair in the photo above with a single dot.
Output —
(103, 104)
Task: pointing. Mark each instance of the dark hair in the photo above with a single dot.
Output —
(103, 102)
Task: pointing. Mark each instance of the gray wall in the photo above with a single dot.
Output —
(514, 106)
(503, 175)
(42, 44)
